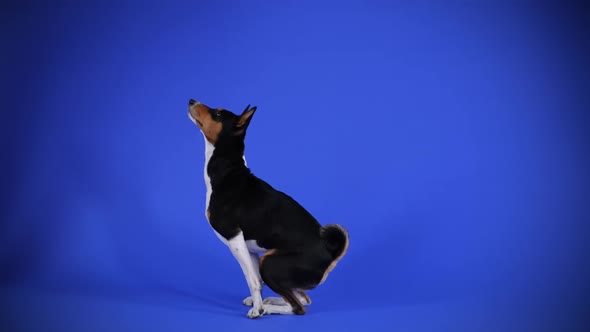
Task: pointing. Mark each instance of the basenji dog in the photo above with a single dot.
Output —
(252, 218)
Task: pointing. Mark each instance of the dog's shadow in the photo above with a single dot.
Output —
(204, 301)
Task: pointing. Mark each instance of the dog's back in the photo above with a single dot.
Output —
(298, 252)
(275, 221)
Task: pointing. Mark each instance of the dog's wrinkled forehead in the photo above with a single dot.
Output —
(212, 121)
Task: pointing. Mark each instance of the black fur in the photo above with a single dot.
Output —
(241, 201)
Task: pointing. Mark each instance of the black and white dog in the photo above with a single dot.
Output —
(251, 218)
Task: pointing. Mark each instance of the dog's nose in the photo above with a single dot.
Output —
(192, 102)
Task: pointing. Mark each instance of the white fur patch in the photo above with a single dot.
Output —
(209, 148)
(237, 245)
(254, 248)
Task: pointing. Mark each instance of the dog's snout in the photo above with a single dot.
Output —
(191, 102)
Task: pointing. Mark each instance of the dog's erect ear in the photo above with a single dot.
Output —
(245, 119)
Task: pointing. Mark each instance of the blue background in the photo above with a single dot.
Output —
(450, 138)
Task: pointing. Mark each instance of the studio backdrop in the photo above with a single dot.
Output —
(450, 139)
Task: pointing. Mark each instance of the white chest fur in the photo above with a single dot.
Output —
(209, 148)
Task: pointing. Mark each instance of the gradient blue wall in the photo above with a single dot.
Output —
(449, 138)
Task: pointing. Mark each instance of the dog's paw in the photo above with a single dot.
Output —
(255, 312)
(248, 301)
(269, 300)
(305, 300)
(274, 301)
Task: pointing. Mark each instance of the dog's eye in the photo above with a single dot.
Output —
(218, 114)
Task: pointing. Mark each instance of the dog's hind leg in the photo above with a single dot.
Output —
(301, 296)
(290, 304)
(238, 247)
(286, 274)
(249, 301)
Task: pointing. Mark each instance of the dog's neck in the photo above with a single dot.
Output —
(209, 149)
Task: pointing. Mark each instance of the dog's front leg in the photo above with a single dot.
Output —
(240, 251)
(248, 301)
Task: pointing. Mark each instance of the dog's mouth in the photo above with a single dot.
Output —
(194, 119)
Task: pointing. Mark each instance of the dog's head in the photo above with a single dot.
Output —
(218, 124)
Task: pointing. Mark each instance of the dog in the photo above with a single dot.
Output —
(252, 218)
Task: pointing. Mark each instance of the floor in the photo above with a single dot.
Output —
(42, 310)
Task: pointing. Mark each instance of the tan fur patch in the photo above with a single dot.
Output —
(270, 252)
(208, 126)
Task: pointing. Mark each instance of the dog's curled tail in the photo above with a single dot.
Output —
(335, 238)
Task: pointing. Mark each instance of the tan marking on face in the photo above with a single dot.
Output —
(335, 262)
(270, 252)
(205, 122)
(208, 214)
